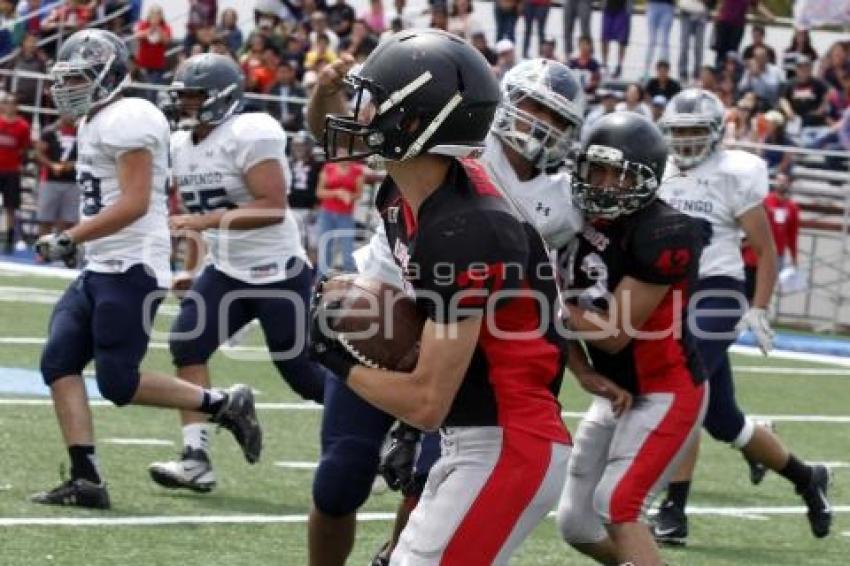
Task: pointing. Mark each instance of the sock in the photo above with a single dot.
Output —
(797, 472)
(212, 401)
(197, 436)
(677, 493)
(84, 463)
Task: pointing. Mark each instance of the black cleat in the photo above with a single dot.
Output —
(757, 471)
(239, 416)
(78, 493)
(819, 510)
(670, 526)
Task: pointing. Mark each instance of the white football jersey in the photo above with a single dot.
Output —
(719, 190)
(210, 176)
(125, 125)
(545, 202)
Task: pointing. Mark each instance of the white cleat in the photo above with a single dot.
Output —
(192, 471)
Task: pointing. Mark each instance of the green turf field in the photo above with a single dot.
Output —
(728, 530)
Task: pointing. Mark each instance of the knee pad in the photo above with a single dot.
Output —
(577, 526)
(729, 426)
(117, 380)
(184, 352)
(344, 478)
(745, 435)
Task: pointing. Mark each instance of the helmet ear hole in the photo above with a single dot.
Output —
(410, 124)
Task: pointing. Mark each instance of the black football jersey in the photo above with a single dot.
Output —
(464, 253)
(656, 245)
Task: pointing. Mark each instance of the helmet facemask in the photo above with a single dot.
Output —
(634, 188)
(79, 86)
(690, 143)
(537, 140)
(213, 107)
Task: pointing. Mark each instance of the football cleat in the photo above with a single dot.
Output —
(670, 525)
(77, 493)
(192, 471)
(239, 416)
(819, 510)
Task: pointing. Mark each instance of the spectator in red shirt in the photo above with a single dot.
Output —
(70, 16)
(784, 216)
(340, 186)
(14, 141)
(153, 35)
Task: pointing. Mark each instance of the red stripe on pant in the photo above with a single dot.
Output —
(512, 485)
(659, 448)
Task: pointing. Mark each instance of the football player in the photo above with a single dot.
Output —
(107, 312)
(628, 281)
(431, 101)
(725, 189)
(231, 172)
(538, 118)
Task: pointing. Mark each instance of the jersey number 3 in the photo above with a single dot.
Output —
(90, 187)
(204, 200)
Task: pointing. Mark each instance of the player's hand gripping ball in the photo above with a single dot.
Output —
(373, 323)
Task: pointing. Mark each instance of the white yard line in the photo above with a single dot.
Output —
(789, 355)
(310, 406)
(297, 465)
(757, 513)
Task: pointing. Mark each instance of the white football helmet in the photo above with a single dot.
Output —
(553, 86)
(692, 124)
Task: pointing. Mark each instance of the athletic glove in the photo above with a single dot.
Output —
(755, 320)
(397, 462)
(54, 247)
(324, 347)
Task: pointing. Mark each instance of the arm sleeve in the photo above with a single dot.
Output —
(666, 250)
(750, 187)
(259, 137)
(137, 124)
(470, 262)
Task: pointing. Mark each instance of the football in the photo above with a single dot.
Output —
(375, 322)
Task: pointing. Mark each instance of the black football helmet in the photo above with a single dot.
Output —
(90, 70)
(431, 92)
(692, 123)
(632, 145)
(554, 86)
(218, 79)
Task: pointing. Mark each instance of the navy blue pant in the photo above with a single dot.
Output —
(724, 420)
(105, 317)
(352, 434)
(229, 304)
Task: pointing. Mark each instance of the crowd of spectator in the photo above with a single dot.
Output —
(791, 96)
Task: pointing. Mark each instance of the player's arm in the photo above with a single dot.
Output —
(756, 227)
(42, 159)
(631, 305)
(328, 97)
(423, 397)
(661, 252)
(135, 175)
